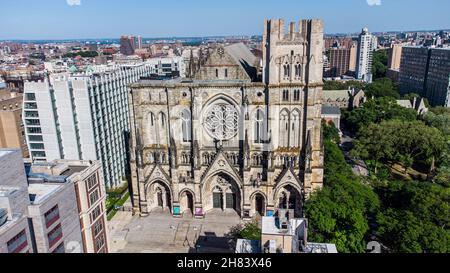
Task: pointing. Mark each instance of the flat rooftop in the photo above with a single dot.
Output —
(40, 192)
(73, 169)
(4, 152)
(7, 191)
(320, 248)
(270, 226)
(53, 172)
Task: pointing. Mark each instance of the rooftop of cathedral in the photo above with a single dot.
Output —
(182, 82)
(240, 56)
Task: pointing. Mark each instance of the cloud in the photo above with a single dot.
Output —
(73, 2)
(374, 2)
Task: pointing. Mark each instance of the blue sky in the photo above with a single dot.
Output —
(62, 19)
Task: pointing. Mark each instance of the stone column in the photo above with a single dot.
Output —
(224, 200)
(288, 195)
(164, 197)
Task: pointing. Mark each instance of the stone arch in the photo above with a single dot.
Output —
(159, 195)
(258, 203)
(230, 188)
(187, 201)
(288, 196)
(220, 98)
(231, 174)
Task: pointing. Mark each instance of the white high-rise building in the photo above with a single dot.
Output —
(82, 117)
(366, 46)
(168, 66)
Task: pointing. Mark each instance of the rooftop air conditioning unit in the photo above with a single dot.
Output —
(3, 216)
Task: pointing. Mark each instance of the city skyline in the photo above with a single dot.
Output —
(73, 19)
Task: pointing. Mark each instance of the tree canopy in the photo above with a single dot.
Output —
(84, 54)
(382, 87)
(376, 111)
(438, 119)
(379, 64)
(343, 85)
(414, 217)
(397, 141)
(339, 213)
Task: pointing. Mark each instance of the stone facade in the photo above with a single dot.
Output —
(12, 132)
(15, 234)
(226, 141)
(61, 234)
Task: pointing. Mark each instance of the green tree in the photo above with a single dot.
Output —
(440, 110)
(341, 85)
(331, 132)
(414, 218)
(379, 64)
(339, 213)
(250, 231)
(441, 121)
(443, 173)
(83, 54)
(376, 111)
(397, 141)
(382, 87)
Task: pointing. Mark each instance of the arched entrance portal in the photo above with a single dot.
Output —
(258, 204)
(221, 192)
(260, 207)
(159, 197)
(289, 198)
(187, 202)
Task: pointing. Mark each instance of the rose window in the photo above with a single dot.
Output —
(222, 121)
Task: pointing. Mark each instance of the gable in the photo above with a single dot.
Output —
(221, 164)
(234, 62)
(158, 174)
(288, 176)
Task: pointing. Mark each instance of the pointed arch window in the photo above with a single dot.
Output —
(163, 120)
(295, 129)
(297, 95)
(162, 130)
(152, 129)
(152, 119)
(298, 71)
(287, 70)
(260, 127)
(285, 95)
(186, 125)
(284, 128)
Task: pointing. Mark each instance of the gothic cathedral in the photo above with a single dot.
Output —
(242, 134)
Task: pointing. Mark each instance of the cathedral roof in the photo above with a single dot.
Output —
(244, 57)
(330, 110)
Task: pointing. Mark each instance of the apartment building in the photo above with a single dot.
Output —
(426, 71)
(55, 207)
(83, 117)
(366, 46)
(15, 234)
